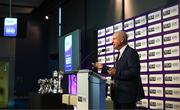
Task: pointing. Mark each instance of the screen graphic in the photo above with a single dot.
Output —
(10, 27)
(68, 53)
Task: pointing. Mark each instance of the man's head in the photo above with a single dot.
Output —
(119, 39)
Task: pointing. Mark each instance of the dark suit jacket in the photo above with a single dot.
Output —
(128, 87)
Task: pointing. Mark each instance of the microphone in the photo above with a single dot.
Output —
(103, 50)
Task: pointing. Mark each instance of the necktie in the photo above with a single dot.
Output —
(117, 58)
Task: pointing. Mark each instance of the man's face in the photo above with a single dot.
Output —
(117, 41)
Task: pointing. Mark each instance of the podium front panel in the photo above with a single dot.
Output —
(83, 90)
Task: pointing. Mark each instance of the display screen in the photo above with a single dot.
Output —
(69, 59)
(10, 27)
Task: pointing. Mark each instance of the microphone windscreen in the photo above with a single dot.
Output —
(103, 50)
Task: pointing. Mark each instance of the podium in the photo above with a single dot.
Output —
(90, 90)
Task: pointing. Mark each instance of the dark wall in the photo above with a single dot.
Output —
(73, 17)
(31, 56)
(102, 13)
(32, 51)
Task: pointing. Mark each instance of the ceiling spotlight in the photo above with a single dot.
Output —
(46, 17)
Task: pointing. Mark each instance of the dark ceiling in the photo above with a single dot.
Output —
(18, 7)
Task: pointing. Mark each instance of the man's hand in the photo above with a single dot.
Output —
(112, 71)
(97, 65)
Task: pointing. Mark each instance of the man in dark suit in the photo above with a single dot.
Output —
(127, 88)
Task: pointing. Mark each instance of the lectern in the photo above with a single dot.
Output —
(90, 90)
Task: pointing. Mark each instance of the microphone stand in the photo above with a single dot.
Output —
(89, 56)
(85, 59)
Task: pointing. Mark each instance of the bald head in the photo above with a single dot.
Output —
(119, 39)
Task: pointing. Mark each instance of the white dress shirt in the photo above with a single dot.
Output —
(121, 51)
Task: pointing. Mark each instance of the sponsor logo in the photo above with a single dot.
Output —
(171, 38)
(168, 65)
(155, 41)
(168, 25)
(109, 49)
(145, 91)
(154, 29)
(156, 91)
(169, 92)
(143, 67)
(143, 102)
(109, 39)
(171, 51)
(101, 41)
(151, 29)
(152, 66)
(137, 21)
(140, 21)
(141, 44)
(171, 11)
(156, 104)
(101, 59)
(156, 79)
(99, 49)
(169, 105)
(142, 55)
(152, 103)
(151, 41)
(117, 27)
(167, 52)
(172, 79)
(167, 38)
(138, 33)
(144, 79)
(168, 78)
(155, 16)
(156, 53)
(131, 44)
(109, 30)
(171, 25)
(172, 105)
(172, 92)
(171, 65)
(130, 35)
(138, 44)
(109, 59)
(152, 79)
(166, 13)
(101, 32)
(128, 24)
(141, 32)
(152, 91)
(155, 66)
